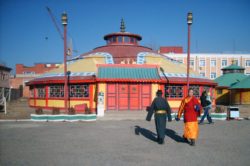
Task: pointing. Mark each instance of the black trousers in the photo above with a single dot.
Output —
(160, 124)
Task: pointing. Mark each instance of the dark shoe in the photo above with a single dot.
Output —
(200, 123)
(192, 143)
(185, 139)
(211, 123)
(161, 141)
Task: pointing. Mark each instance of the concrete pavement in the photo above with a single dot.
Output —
(116, 143)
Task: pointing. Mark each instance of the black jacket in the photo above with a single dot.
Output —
(159, 103)
(204, 101)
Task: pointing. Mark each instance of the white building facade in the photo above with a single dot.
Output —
(210, 64)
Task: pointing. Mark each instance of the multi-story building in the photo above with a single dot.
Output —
(4, 85)
(27, 73)
(209, 64)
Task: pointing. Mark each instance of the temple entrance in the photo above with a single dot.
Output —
(128, 96)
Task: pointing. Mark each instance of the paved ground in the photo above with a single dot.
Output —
(115, 143)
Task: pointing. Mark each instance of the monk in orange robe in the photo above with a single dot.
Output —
(191, 107)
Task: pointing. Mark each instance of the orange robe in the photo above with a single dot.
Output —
(191, 129)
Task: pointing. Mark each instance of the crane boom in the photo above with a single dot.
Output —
(54, 21)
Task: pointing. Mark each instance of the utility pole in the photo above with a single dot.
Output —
(64, 23)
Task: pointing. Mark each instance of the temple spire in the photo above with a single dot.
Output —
(122, 28)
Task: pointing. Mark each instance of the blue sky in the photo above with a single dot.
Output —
(28, 35)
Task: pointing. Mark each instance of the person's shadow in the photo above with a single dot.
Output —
(146, 133)
(173, 135)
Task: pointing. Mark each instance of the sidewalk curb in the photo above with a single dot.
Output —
(15, 120)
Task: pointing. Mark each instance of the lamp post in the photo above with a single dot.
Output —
(189, 22)
(64, 23)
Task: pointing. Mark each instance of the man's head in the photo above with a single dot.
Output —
(190, 92)
(159, 93)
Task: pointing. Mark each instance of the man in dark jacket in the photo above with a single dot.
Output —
(206, 104)
(161, 109)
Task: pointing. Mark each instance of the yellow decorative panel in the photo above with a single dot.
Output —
(246, 97)
(41, 103)
(175, 104)
(236, 97)
(154, 88)
(55, 103)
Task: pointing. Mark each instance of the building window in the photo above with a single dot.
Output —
(213, 63)
(29, 72)
(224, 63)
(213, 75)
(202, 74)
(202, 63)
(180, 60)
(247, 63)
(191, 62)
(119, 39)
(126, 39)
(219, 91)
(196, 90)
(114, 39)
(236, 62)
(79, 91)
(40, 91)
(175, 91)
(56, 91)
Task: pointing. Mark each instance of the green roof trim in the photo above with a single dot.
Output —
(243, 84)
(228, 80)
(128, 73)
(233, 67)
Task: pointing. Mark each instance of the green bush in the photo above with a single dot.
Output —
(71, 111)
(39, 111)
(220, 109)
(55, 111)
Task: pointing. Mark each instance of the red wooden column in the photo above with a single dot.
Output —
(91, 98)
(34, 95)
(46, 95)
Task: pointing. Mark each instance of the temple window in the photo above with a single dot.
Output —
(126, 39)
(56, 91)
(174, 91)
(132, 40)
(120, 39)
(114, 39)
(40, 91)
(79, 90)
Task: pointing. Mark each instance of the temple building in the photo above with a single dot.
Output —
(126, 75)
(233, 86)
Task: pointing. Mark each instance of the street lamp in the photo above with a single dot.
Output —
(189, 22)
(64, 23)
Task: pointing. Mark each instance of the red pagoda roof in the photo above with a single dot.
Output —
(121, 52)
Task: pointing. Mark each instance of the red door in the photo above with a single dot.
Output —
(134, 102)
(111, 97)
(145, 95)
(123, 91)
(128, 96)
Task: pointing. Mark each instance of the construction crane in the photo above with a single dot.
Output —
(54, 21)
(70, 48)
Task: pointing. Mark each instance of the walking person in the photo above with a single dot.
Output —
(162, 110)
(206, 103)
(190, 107)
